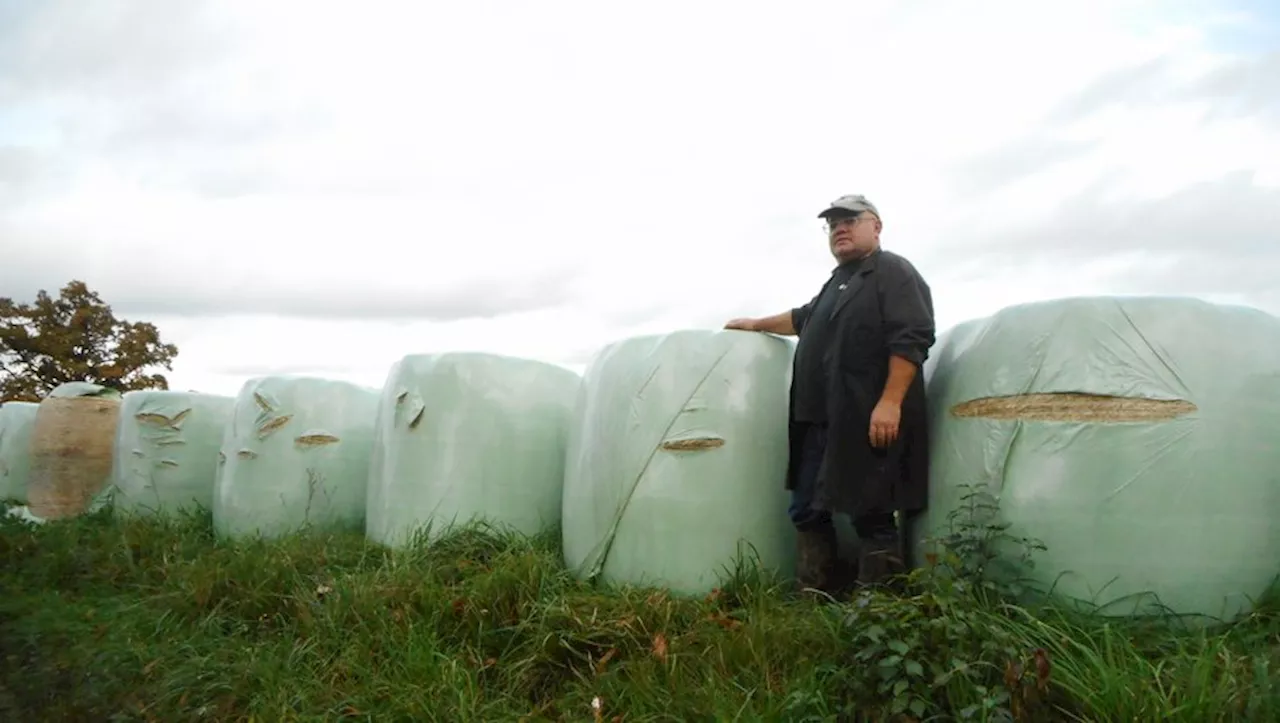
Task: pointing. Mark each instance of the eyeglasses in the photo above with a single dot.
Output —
(834, 223)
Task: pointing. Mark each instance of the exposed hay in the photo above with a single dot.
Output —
(692, 445)
(71, 453)
(152, 419)
(316, 439)
(266, 429)
(1073, 407)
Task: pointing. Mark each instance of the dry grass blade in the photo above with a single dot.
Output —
(106, 617)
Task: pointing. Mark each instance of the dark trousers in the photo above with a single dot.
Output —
(875, 526)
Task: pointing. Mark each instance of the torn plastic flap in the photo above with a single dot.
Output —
(693, 443)
(414, 408)
(316, 438)
(168, 412)
(83, 389)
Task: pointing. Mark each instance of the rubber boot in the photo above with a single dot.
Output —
(816, 558)
(879, 560)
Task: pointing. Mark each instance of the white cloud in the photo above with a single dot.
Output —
(590, 169)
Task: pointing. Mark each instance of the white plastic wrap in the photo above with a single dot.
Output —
(465, 437)
(17, 422)
(295, 454)
(677, 460)
(1134, 437)
(166, 451)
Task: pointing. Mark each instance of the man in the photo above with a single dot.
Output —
(857, 429)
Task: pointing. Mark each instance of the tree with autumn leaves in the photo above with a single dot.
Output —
(75, 337)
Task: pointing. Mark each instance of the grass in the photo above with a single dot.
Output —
(104, 619)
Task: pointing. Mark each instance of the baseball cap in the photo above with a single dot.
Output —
(852, 204)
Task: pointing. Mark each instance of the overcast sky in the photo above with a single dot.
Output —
(322, 188)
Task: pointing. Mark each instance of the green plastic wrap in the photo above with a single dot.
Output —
(469, 437)
(17, 420)
(295, 454)
(1134, 437)
(166, 451)
(677, 461)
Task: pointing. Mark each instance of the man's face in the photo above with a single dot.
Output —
(853, 236)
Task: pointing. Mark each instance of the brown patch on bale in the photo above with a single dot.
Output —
(72, 446)
(266, 429)
(316, 440)
(1073, 407)
(692, 445)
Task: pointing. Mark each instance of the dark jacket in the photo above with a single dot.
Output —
(886, 308)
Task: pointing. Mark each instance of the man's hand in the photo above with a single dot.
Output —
(743, 324)
(885, 419)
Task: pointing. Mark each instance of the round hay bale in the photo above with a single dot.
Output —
(71, 454)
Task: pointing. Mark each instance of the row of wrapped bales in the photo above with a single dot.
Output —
(17, 422)
(662, 467)
(1134, 437)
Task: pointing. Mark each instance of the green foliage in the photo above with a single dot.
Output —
(128, 620)
(75, 337)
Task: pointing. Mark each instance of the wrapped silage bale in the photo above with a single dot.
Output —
(295, 454)
(166, 451)
(17, 422)
(469, 437)
(677, 461)
(1134, 437)
(71, 449)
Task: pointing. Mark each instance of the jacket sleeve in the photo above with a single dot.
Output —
(800, 314)
(908, 315)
